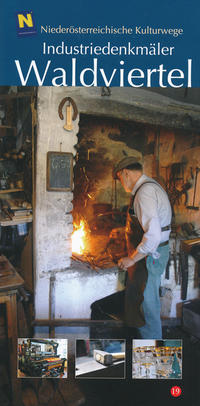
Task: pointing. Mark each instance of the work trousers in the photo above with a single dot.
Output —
(151, 304)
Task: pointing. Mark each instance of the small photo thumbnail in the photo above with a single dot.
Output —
(100, 358)
(42, 358)
(157, 359)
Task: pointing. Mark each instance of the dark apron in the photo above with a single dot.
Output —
(136, 275)
(126, 304)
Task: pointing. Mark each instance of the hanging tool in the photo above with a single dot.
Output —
(68, 125)
(69, 116)
(176, 270)
(168, 266)
(193, 207)
(184, 271)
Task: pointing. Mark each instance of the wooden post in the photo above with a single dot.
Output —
(9, 283)
(52, 305)
(11, 313)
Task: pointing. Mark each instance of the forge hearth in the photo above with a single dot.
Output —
(101, 248)
(99, 202)
(102, 142)
(99, 238)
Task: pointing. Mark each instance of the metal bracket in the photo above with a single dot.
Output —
(105, 91)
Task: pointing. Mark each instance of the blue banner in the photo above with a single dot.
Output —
(149, 44)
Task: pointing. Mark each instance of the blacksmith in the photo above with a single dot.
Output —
(149, 216)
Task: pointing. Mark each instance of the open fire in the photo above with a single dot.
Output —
(79, 238)
(96, 250)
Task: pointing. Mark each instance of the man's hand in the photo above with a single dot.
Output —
(125, 263)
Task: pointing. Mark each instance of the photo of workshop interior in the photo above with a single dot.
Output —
(61, 241)
(39, 358)
(157, 359)
(100, 358)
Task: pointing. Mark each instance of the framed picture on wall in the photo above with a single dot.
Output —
(59, 171)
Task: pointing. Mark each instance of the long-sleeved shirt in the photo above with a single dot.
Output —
(153, 210)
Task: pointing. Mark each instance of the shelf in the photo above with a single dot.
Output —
(7, 222)
(10, 191)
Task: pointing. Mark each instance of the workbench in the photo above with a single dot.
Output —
(10, 281)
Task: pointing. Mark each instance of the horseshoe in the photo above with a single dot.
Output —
(75, 110)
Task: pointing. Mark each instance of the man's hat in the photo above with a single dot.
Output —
(128, 160)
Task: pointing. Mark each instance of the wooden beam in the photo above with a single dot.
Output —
(16, 95)
(76, 322)
(174, 321)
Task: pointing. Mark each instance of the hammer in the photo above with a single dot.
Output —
(107, 358)
(193, 207)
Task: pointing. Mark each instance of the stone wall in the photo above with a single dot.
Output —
(52, 226)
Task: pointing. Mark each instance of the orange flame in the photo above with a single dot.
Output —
(78, 237)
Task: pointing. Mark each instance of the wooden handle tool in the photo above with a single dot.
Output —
(107, 358)
(68, 125)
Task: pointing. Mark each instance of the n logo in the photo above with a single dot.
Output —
(25, 24)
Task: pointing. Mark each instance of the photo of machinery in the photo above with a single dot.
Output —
(100, 358)
(157, 359)
(42, 358)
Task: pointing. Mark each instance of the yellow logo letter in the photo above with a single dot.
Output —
(27, 20)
